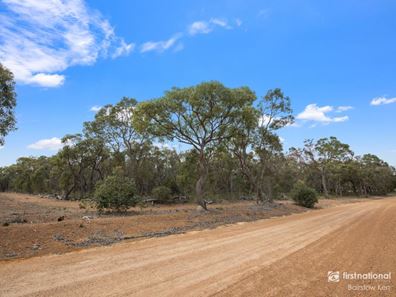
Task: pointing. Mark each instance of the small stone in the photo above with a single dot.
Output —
(200, 209)
(36, 246)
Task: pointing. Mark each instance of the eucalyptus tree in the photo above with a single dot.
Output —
(5, 179)
(7, 102)
(255, 143)
(83, 161)
(113, 124)
(225, 178)
(201, 116)
(326, 155)
(377, 177)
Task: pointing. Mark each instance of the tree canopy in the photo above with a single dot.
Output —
(201, 116)
(7, 102)
(231, 149)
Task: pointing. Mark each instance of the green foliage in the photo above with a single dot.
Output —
(116, 193)
(330, 167)
(255, 144)
(162, 193)
(235, 151)
(304, 195)
(202, 116)
(7, 103)
(199, 116)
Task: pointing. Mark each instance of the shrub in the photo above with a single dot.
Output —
(304, 195)
(162, 193)
(116, 193)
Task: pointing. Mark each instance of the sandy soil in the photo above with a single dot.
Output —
(29, 224)
(284, 256)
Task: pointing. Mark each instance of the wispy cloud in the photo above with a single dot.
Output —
(40, 39)
(175, 42)
(220, 22)
(199, 27)
(315, 113)
(160, 46)
(52, 144)
(344, 108)
(95, 108)
(123, 49)
(382, 101)
(205, 27)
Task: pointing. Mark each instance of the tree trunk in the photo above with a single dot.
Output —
(231, 186)
(259, 195)
(270, 196)
(67, 194)
(324, 185)
(199, 186)
(354, 188)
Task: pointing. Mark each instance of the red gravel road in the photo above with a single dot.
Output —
(286, 256)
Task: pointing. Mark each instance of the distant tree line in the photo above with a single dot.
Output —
(230, 151)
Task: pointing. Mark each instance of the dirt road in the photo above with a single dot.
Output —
(286, 256)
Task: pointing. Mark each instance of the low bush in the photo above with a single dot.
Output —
(304, 195)
(162, 193)
(116, 193)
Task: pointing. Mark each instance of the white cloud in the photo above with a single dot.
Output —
(344, 108)
(382, 100)
(123, 50)
(340, 119)
(205, 27)
(160, 46)
(95, 108)
(313, 112)
(200, 27)
(52, 144)
(220, 22)
(164, 145)
(238, 22)
(41, 38)
(265, 120)
(294, 124)
(175, 42)
(47, 80)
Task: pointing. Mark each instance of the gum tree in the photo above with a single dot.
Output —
(255, 143)
(325, 156)
(7, 103)
(202, 116)
(113, 125)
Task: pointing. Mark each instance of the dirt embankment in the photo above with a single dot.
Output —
(285, 256)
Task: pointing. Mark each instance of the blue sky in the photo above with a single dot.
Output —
(335, 59)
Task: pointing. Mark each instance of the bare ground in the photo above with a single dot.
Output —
(29, 224)
(284, 256)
